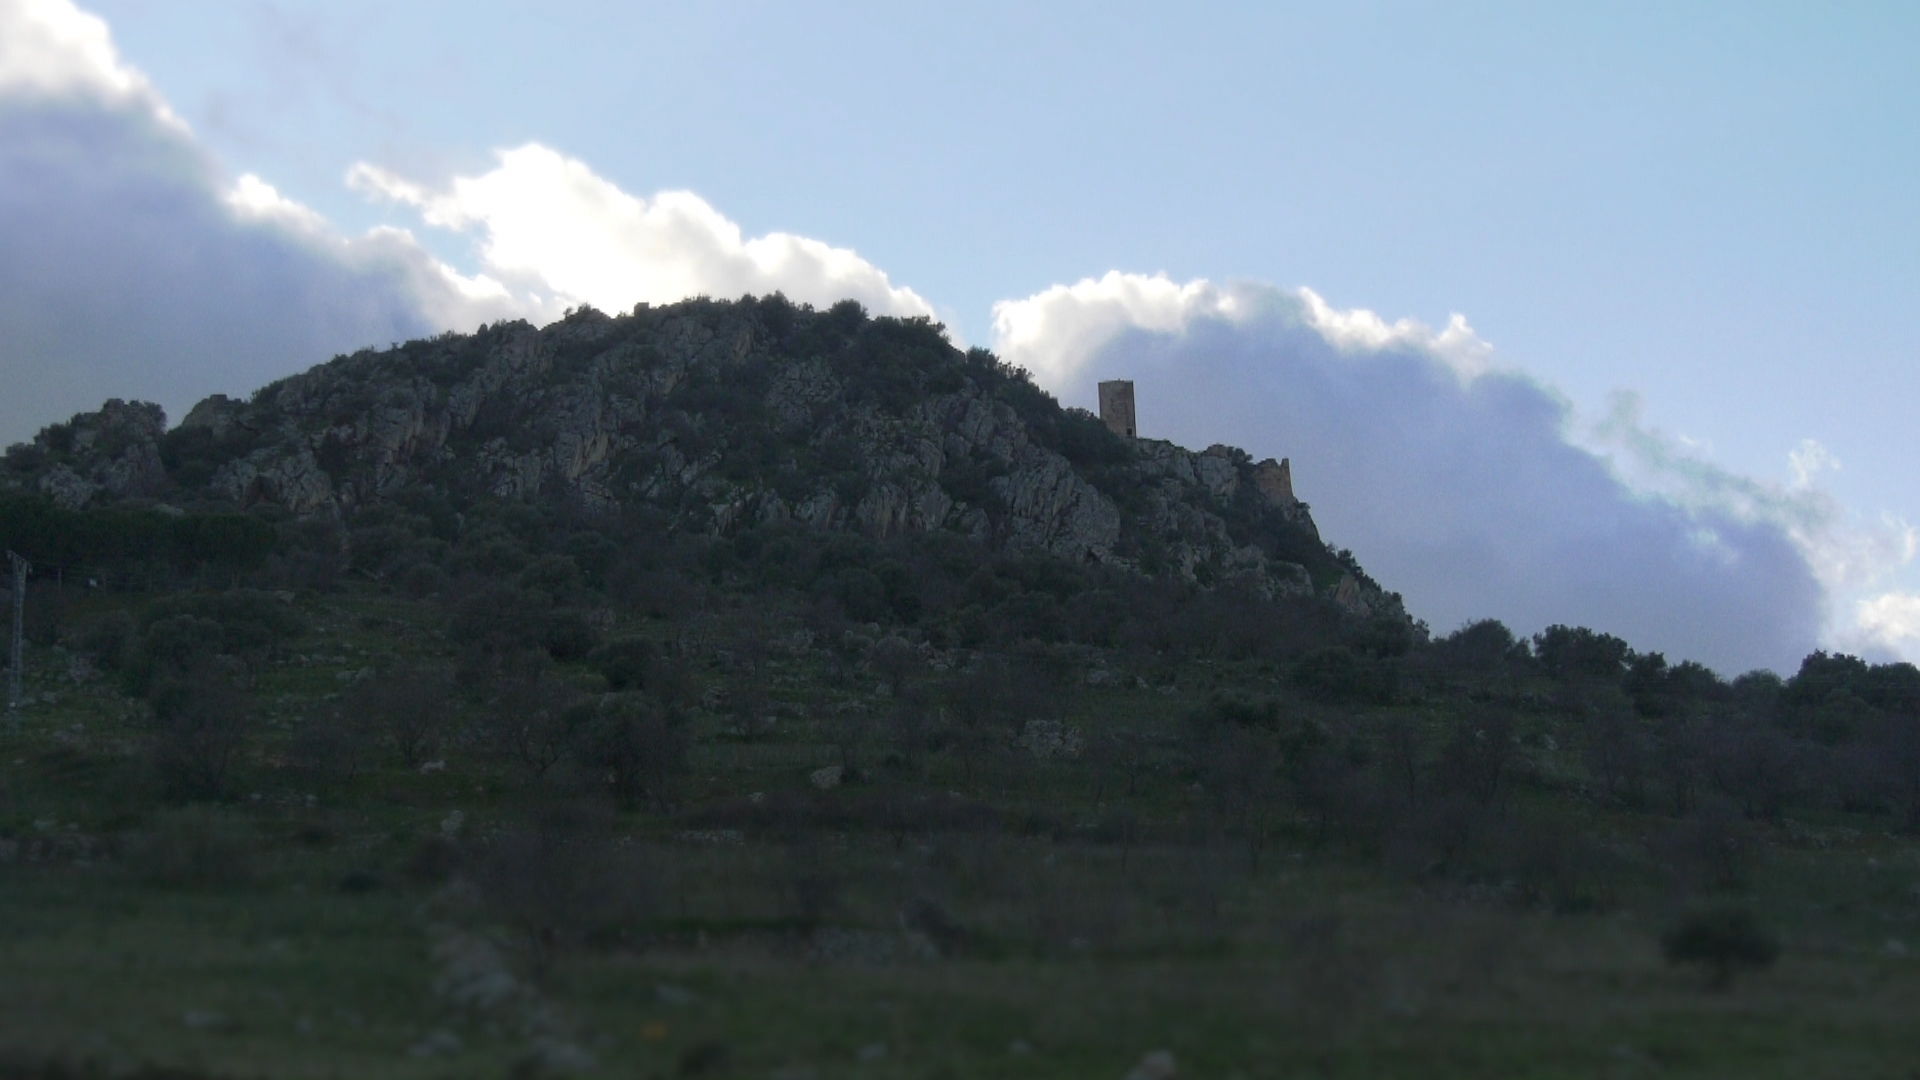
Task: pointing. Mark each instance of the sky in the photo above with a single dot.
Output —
(1563, 313)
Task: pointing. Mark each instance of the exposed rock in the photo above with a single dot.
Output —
(1051, 739)
(292, 479)
(1351, 597)
(1051, 508)
(114, 451)
(66, 487)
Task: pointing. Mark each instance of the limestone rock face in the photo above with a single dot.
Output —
(1051, 508)
(113, 453)
(717, 416)
(292, 479)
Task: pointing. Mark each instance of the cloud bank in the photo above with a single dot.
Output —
(132, 266)
(1474, 491)
(548, 222)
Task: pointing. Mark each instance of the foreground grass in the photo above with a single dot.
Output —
(318, 944)
(281, 980)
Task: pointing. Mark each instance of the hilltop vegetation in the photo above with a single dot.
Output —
(741, 689)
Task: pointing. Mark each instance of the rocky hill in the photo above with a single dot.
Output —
(714, 417)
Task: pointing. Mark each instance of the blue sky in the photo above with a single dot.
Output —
(1689, 225)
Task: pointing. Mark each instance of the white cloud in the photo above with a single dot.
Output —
(1057, 332)
(1850, 555)
(52, 49)
(1456, 482)
(1891, 621)
(130, 267)
(549, 221)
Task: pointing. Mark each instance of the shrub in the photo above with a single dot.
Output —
(568, 637)
(246, 619)
(623, 663)
(536, 722)
(407, 709)
(1342, 675)
(46, 612)
(633, 745)
(1723, 940)
(197, 732)
(106, 639)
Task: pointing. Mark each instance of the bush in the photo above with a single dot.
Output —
(45, 614)
(1723, 940)
(198, 730)
(623, 663)
(246, 619)
(407, 709)
(332, 749)
(106, 639)
(1341, 675)
(632, 744)
(537, 722)
(568, 637)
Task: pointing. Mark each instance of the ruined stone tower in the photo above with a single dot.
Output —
(1274, 479)
(1116, 407)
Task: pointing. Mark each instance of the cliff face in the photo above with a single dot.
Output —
(717, 416)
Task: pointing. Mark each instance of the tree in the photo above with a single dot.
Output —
(635, 747)
(1616, 752)
(1680, 760)
(1478, 757)
(1577, 654)
(1895, 745)
(909, 726)
(1756, 764)
(198, 731)
(537, 721)
(408, 709)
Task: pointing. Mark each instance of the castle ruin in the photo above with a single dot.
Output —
(1116, 407)
(1274, 479)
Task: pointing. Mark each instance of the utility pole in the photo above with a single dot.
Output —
(21, 568)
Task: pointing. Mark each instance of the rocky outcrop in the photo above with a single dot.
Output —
(112, 453)
(288, 476)
(1050, 508)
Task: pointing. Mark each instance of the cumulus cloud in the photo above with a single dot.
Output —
(130, 266)
(550, 223)
(1472, 490)
(51, 49)
(1890, 621)
(1845, 552)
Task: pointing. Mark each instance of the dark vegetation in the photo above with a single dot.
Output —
(515, 785)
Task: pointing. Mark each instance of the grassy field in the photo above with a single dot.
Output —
(973, 913)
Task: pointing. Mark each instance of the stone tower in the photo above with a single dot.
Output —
(1116, 407)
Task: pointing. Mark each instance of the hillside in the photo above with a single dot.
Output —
(740, 690)
(712, 419)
